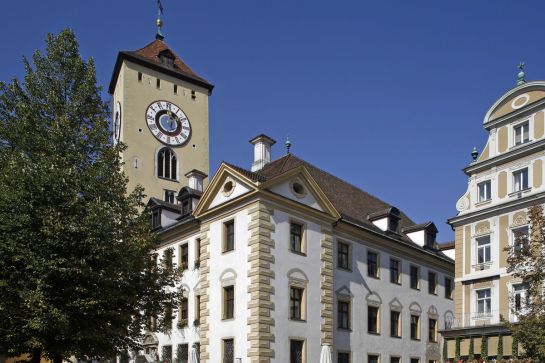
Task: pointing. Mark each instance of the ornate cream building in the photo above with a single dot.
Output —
(503, 182)
(281, 258)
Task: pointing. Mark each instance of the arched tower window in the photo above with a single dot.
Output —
(167, 164)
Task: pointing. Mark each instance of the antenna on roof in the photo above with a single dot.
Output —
(288, 143)
(159, 22)
(521, 78)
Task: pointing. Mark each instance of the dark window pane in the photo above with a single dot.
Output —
(394, 324)
(343, 314)
(372, 319)
(372, 264)
(296, 298)
(394, 271)
(343, 357)
(229, 296)
(343, 255)
(296, 234)
(229, 236)
(371, 358)
(415, 276)
(228, 351)
(296, 351)
(182, 355)
(414, 327)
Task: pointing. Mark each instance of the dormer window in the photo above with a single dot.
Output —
(156, 218)
(522, 133)
(167, 59)
(186, 207)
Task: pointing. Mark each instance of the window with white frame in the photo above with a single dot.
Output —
(484, 302)
(520, 297)
(483, 250)
(520, 238)
(484, 189)
(520, 180)
(521, 133)
(167, 164)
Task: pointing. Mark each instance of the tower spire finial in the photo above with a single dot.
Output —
(288, 143)
(159, 22)
(521, 78)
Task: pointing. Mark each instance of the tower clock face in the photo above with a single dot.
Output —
(168, 123)
(117, 123)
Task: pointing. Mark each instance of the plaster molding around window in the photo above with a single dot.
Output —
(519, 220)
(344, 293)
(415, 308)
(395, 305)
(228, 186)
(297, 278)
(520, 165)
(228, 277)
(373, 299)
(482, 230)
(433, 313)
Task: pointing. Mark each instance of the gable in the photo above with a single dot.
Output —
(230, 188)
(516, 99)
(289, 189)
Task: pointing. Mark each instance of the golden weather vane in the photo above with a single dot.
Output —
(159, 22)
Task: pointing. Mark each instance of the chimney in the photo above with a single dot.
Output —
(196, 178)
(262, 151)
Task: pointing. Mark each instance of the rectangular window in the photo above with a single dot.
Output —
(343, 357)
(197, 252)
(448, 288)
(296, 303)
(156, 218)
(343, 314)
(193, 95)
(139, 76)
(158, 83)
(197, 308)
(395, 359)
(415, 277)
(432, 330)
(229, 236)
(296, 237)
(167, 353)
(484, 302)
(343, 255)
(175, 89)
(395, 324)
(296, 351)
(520, 180)
(432, 282)
(372, 358)
(182, 354)
(170, 196)
(520, 297)
(415, 327)
(183, 313)
(520, 238)
(228, 302)
(228, 351)
(372, 320)
(372, 264)
(522, 133)
(395, 271)
(415, 360)
(184, 256)
(483, 249)
(484, 191)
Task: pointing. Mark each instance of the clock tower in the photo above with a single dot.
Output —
(160, 111)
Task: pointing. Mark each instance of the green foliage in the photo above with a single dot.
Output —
(499, 355)
(471, 354)
(515, 348)
(484, 348)
(457, 349)
(75, 272)
(526, 263)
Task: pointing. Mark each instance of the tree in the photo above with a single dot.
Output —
(484, 348)
(525, 261)
(499, 355)
(471, 354)
(76, 277)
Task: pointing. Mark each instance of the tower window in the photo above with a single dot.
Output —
(193, 95)
(175, 89)
(139, 76)
(166, 164)
(158, 83)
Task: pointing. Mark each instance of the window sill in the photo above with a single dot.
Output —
(516, 193)
(168, 179)
(227, 319)
(415, 340)
(345, 329)
(516, 146)
(344, 269)
(227, 252)
(482, 266)
(297, 320)
(432, 293)
(396, 336)
(415, 288)
(484, 202)
(373, 333)
(298, 253)
(395, 283)
(373, 277)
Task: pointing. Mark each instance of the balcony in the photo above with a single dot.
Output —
(490, 319)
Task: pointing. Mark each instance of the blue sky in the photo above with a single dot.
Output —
(388, 95)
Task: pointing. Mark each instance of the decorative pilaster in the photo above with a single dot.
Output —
(260, 273)
(204, 284)
(326, 286)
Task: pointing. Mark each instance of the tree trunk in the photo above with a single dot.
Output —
(36, 355)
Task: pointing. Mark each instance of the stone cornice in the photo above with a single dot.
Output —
(514, 154)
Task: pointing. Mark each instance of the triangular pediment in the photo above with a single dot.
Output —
(299, 186)
(226, 186)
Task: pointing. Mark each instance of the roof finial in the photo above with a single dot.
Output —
(521, 76)
(159, 22)
(474, 154)
(288, 143)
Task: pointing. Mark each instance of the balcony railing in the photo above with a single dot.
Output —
(476, 319)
